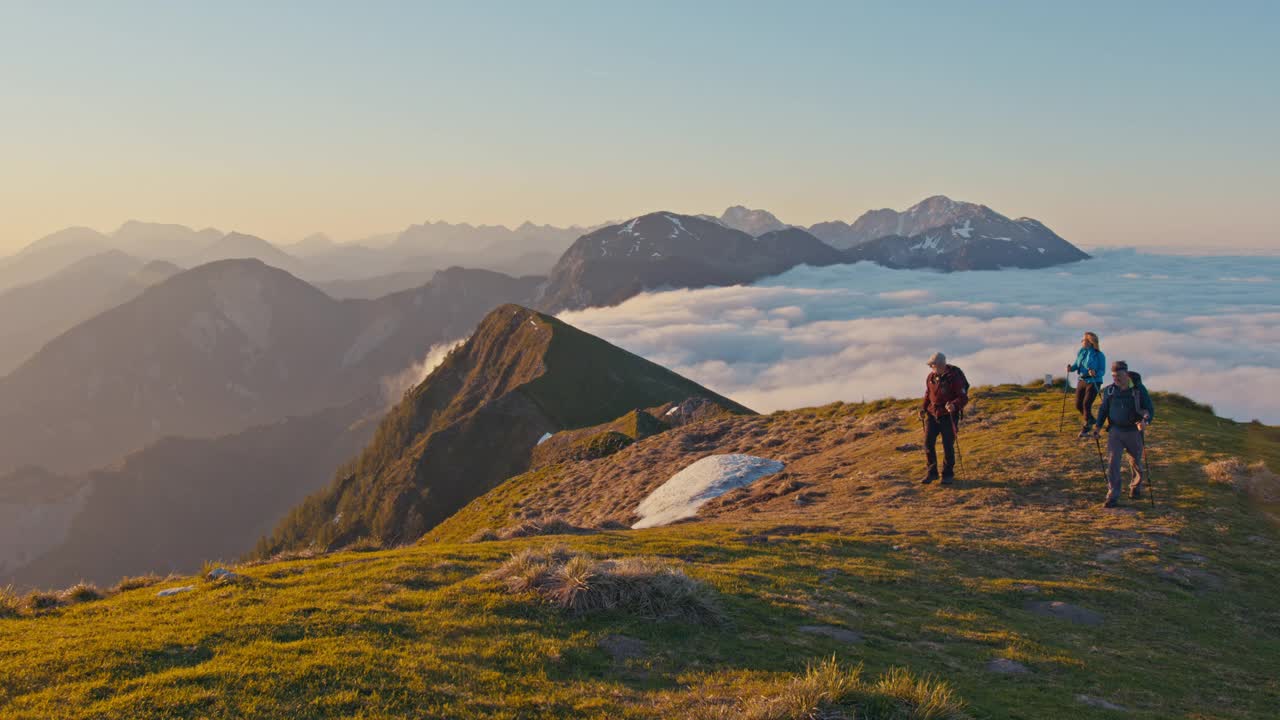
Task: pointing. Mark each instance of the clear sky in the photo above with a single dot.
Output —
(1132, 123)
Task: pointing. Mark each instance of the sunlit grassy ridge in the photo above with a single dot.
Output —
(937, 582)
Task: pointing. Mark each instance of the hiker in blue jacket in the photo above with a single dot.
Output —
(1091, 366)
(1127, 409)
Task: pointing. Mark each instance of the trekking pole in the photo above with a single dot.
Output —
(1102, 463)
(1146, 466)
(1066, 383)
(955, 437)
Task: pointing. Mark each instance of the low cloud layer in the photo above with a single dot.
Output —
(1205, 327)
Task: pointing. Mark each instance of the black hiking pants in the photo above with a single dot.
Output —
(1086, 393)
(944, 426)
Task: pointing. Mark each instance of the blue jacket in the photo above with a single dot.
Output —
(1089, 359)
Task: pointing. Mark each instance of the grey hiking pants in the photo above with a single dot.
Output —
(1118, 443)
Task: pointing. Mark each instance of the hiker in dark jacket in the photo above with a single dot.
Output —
(1091, 366)
(944, 397)
(1127, 409)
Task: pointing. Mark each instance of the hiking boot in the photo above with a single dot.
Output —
(929, 478)
(1110, 503)
(1084, 434)
(948, 479)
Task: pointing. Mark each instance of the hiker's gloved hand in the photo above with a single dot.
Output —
(951, 407)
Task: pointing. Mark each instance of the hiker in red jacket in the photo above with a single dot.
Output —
(945, 395)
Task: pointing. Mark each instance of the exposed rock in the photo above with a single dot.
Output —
(838, 634)
(1191, 578)
(1065, 611)
(1098, 703)
(1005, 666)
(622, 648)
(175, 591)
(225, 576)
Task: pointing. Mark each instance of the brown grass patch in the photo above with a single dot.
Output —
(579, 583)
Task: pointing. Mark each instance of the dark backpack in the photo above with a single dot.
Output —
(1135, 388)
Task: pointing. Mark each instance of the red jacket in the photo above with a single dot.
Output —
(942, 389)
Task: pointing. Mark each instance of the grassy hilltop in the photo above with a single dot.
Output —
(941, 595)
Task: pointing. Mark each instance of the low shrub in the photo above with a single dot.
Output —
(42, 600)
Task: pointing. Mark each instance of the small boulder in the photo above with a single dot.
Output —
(1065, 611)
(224, 576)
(838, 634)
(175, 591)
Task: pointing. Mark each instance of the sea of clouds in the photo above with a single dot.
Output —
(1206, 327)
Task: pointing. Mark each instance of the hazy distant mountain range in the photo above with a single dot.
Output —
(386, 263)
(220, 348)
(31, 315)
(239, 385)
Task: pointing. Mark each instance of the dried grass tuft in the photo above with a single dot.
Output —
(578, 583)
(81, 592)
(829, 690)
(137, 582)
(1256, 480)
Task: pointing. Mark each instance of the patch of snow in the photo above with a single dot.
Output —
(678, 226)
(964, 231)
(657, 254)
(930, 243)
(545, 437)
(630, 227)
(1041, 250)
(686, 491)
(994, 237)
(673, 411)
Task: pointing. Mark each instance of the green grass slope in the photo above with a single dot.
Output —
(868, 569)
